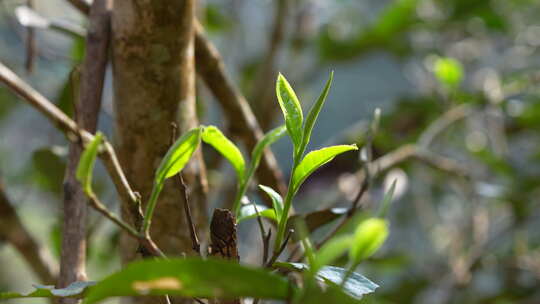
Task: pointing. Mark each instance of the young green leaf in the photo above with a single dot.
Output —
(87, 161)
(448, 71)
(315, 159)
(248, 212)
(314, 113)
(268, 139)
(174, 161)
(190, 277)
(277, 200)
(178, 155)
(214, 137)
(368, 238)
(292, 111)
(332, 250)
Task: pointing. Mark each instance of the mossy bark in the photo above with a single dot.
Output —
(154, 85)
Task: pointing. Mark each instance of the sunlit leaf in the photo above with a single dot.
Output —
(178, 155)
(191, 277)
(368, 238)
(315, 159)
(292, 111)
(277, 200)
(248, 212)
(214, 137)
(314, 113)
(87, 161)
(174, 161)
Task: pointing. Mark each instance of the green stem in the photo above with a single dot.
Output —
(287, 205)
(150, 208)
(238, 198)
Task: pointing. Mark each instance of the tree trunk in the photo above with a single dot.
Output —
(154, 84)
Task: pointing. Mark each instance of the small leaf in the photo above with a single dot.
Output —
(191, 277)
(299, 267)
(314, 113)
(75, 289)
(314, 160)
(86, 163)
(332, 250)
(448, 71)
(178, 155)
(356, 286)
(248, 212)
(387, 200)
(292, 111)
(268, 139)
(214, 137)
(277, 200)
(368, 238)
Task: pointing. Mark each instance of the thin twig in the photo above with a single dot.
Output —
(69, 128)
(276, 254)
(187, 210)
(100, 207)
(443, 122)
(263, 233)
(31, 47)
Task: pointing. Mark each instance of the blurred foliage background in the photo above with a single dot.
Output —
(456, 237)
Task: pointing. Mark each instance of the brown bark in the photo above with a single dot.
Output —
(87, 105)
(154, 83)
(241, 118)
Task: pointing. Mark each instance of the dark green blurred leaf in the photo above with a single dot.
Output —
(215, 20)
(397, 18)
(48, 168)
(191, 277)
(319, 218)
